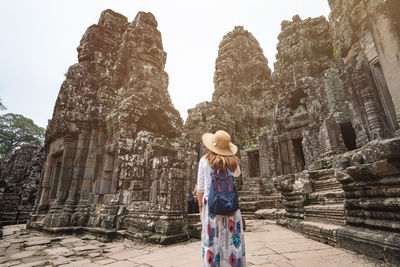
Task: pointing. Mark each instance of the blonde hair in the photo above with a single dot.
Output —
(221, 161)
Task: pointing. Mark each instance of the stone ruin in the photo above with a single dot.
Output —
(318, 137)
(322, 129)
(19, 182)
(242, 81)
(115, 155)
(332, 147)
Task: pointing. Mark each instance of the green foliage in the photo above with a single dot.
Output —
(2, 107)
(16, 131)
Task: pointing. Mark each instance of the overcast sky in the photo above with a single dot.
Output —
(39, 40)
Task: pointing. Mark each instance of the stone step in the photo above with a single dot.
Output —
(253, 189)
(330, 214)
(248, 215)
(327, 197)
(195, 230)
(252, 186)
(270, 214)
(256, 197)
(257, 178)
(252, 182)
(251, 193)
(321, 232)
(193, 218)
(321, 174)
(255, 205)
(329, 183)
(248, 205)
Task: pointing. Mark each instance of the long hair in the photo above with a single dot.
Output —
(221, 162)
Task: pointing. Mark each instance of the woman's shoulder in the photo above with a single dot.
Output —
(203, 161)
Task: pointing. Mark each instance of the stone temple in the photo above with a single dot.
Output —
(319, 137)
(115, 155)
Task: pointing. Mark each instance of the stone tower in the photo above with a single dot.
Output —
(241, 97)
(115, 158)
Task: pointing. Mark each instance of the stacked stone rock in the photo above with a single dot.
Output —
(356, 28)
(353, 103)
(241, 82)
(294, 141)
(115, 157)
(238, 106)
(19, 179)
(371, 182)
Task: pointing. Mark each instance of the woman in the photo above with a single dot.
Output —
(222, 238)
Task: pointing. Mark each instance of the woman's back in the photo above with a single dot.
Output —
(222, 236)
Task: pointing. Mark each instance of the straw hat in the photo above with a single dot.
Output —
(219, 143)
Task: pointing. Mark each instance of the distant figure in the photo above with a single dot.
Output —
(193, 206)
(222, 236)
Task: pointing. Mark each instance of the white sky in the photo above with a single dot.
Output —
(39, 39)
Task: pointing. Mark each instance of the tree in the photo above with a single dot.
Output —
(2, 107)
(16, 131)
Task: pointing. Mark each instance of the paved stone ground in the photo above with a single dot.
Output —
(267, 244)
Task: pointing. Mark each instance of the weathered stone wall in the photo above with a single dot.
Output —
(366, 32)
(115, 155)
(19, 182)
(304, 55)
(330, 142)
(371, 182)
(241, 98)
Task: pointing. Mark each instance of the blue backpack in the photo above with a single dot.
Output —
(223, 197)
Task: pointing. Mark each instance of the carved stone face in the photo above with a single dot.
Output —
(240, 60)
(150, 53)
(222, 79)
(87, 45)
(147, 40)
(85, 52)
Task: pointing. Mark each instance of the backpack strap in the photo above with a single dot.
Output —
(219, 181)
(226, 175)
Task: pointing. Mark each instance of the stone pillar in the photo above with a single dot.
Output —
(276, 152)
(372, 110)
(284, 156)
(44, 197)
(264, 157)
(66, 167)
(292, 158)
(100, 154)
(244, 165)
(79, 164)
(387, 44)
(107, 174)
(90, 165)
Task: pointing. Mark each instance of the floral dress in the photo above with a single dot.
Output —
(222, 237)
